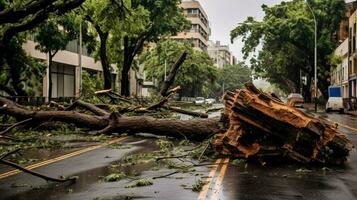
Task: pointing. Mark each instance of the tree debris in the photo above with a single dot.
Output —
(263, 126)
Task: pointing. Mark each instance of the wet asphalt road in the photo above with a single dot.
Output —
(247, 181)
(253, 181)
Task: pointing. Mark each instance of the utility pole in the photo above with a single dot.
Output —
(315, 56)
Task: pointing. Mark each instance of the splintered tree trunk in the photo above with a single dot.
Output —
(261, 125)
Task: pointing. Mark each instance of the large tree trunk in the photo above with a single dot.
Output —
(104, 58)
(198, 129)
(128, 60)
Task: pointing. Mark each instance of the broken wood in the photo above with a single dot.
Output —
(171, 77)
(261, 125)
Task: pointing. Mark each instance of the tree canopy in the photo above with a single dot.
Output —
(17, 17)
(196, 76)
(286, 36)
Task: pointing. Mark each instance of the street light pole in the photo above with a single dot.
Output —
(315, 56)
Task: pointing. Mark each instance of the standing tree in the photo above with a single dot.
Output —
(160, 18)
(232, 77)
(287, 37)
(17, 17)
(196, 75)
(101, 14)
(53, 36)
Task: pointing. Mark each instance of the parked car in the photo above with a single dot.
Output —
(199, 101)
(335, 104)
(210, 101)
(296, 99)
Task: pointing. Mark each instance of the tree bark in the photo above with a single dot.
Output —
(198, 129)
(103, 36)
(171, 77)
(128, 60)
(262, 126)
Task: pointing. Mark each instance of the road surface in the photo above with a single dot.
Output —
(226, 181)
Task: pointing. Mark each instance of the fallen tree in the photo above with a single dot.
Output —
(262, 126)
(254, 125)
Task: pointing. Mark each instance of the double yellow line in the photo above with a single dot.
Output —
(218, 184)
(53, 160)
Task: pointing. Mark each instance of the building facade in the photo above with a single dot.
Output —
(67, 67)
(345, 73)
(200, 30)
(339, 75)
(221, 54)
(352, 53)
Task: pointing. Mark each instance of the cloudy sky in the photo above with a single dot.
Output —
(224, 15)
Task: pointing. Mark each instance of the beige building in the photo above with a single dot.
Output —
(66, 71)
(339, 75)
(221, 54)
(200, 29)
(352, 53)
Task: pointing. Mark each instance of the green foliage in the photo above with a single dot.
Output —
(90, 84)
(232, 77)
(55, 33)
(196, 75)
(287, 37)
(141, 183)
(197, 187)
(114, 177)
(22, 70)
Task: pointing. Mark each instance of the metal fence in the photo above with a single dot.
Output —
(38, 101)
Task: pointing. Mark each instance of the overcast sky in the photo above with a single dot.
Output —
(224, 15)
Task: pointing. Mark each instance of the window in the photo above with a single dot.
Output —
(63, 80)
(192, 12)
(350, 42)
(354, 38)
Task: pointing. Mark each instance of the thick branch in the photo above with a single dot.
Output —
(197, 129)
(94, 109)
(15, 125)
(171, 78)
(47, 178)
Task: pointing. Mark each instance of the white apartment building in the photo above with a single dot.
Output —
(221, 54)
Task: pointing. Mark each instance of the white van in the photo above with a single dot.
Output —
(335, 103)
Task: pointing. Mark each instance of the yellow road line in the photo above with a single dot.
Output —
(219, 181)
(343, 125)
(53, 160)
(211, 174)
(348, 127)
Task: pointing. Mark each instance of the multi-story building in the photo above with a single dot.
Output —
(200, 30)
(352, 65)
(339, 75)
(221, 54)
(345, 74)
